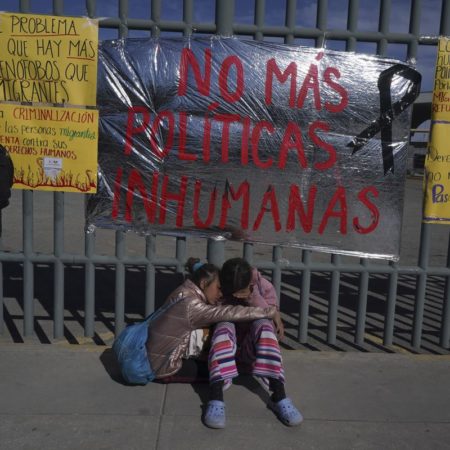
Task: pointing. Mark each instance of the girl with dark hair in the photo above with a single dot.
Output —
(192, 306)
(254, 344)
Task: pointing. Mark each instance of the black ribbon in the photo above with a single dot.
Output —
(388, 112)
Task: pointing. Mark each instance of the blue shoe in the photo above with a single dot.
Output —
(286, 412)
(215, 414)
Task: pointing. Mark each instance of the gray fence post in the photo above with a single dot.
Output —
(224, 17)
(58, 270)
(421, 286)
(28, 267)
(215, 252)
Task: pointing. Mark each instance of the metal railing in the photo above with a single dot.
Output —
(290, 32)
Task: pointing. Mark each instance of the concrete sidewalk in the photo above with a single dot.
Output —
(70, 397)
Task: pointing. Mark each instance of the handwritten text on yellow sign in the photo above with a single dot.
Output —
(437, 163)
(53, 149)
(48, 59)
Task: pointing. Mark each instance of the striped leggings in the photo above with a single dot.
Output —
(257, 347)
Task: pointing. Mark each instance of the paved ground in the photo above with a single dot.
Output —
(71, 397)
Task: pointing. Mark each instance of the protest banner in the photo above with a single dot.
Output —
(53, 149)
(48, 59)
(437, 161)
(260, 142)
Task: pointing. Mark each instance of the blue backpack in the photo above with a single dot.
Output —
(131, 352)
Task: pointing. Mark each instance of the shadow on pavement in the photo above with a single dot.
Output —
(108, 360)
(166, 280)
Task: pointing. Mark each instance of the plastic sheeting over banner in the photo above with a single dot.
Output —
(260, 142)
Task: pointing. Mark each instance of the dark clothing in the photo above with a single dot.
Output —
(6, 177)
(191, 371)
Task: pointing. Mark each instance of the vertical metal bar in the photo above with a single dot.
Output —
(119, 300)
(181, 254)
(321, 23)
(58, 9)
(352, 24)
(156, 17)
(444, 341)
(362, 303)
(150, 250)
(90, 7)
(28, 269)
(260, 8)
(389, 318)
(224, 17)
(383, 26)
(58, 249)
(277, 254)
(89, 284)
(215, 251)
(419, 304)
(304, 298)
(334, 299)
(248, 252)
(24, 6)
(123, 16)
(414, 28)
(188, 16)
(291, 8)
(444, 26)
(445, 323)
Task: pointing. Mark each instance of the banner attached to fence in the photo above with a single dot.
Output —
(253, 141)
(48, 59)
(437, 162)
(53, 149)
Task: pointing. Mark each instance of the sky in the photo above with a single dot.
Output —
(204, 11)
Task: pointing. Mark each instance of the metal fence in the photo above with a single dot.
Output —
(303, 268)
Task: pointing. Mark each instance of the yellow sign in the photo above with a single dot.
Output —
(437, 163)
(48, 59)
(53, 149)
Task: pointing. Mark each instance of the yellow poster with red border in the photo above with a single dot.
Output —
(53, 149)
(437, 162)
